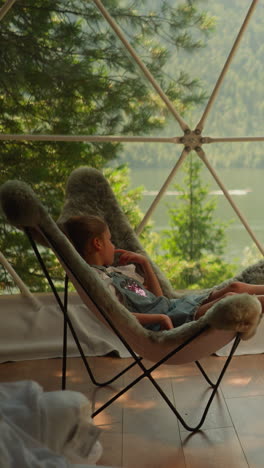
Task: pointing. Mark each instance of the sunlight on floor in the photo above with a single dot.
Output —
(242, 381)
(104, 419)
(71, 375)
(68, 374)
(130, 403)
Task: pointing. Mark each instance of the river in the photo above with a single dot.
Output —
(246, 187)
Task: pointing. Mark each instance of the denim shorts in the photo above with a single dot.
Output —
(183, 309)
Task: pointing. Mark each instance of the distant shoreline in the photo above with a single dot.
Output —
(212, 192)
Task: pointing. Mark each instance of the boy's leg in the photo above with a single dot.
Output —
(238, 288)
(204, 307)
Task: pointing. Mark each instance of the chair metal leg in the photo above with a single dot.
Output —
(65, 329)
(147, 373)
(207, 378)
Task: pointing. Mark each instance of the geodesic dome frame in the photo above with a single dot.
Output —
(191, 139)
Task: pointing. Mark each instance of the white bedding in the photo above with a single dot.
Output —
(44, 429)
(30, 331)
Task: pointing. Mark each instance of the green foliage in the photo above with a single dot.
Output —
(251, 255)
(63, 69)
(194, 231)
(183, 274)
(206, 273)
(194, 244)
(18, 251)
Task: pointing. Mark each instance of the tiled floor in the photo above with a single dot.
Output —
(139, 430)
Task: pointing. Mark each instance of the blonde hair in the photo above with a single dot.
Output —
(82, 229)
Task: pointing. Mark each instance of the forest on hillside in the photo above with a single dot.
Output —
(239, 106)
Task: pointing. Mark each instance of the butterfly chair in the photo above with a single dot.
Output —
(234, 317)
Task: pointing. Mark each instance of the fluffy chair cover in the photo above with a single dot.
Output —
(22, 208)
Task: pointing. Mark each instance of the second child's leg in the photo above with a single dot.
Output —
(206, 305)
(237, 287)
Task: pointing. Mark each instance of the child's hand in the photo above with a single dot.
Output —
(162, 320)
(151, 281)
(165, 322)
(127, 257)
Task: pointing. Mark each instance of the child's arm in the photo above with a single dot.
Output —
(151, 281)
(149, 319)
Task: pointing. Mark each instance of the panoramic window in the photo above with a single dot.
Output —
(165, 96)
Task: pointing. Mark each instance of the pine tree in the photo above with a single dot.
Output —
(194, 245)
(194, 231)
